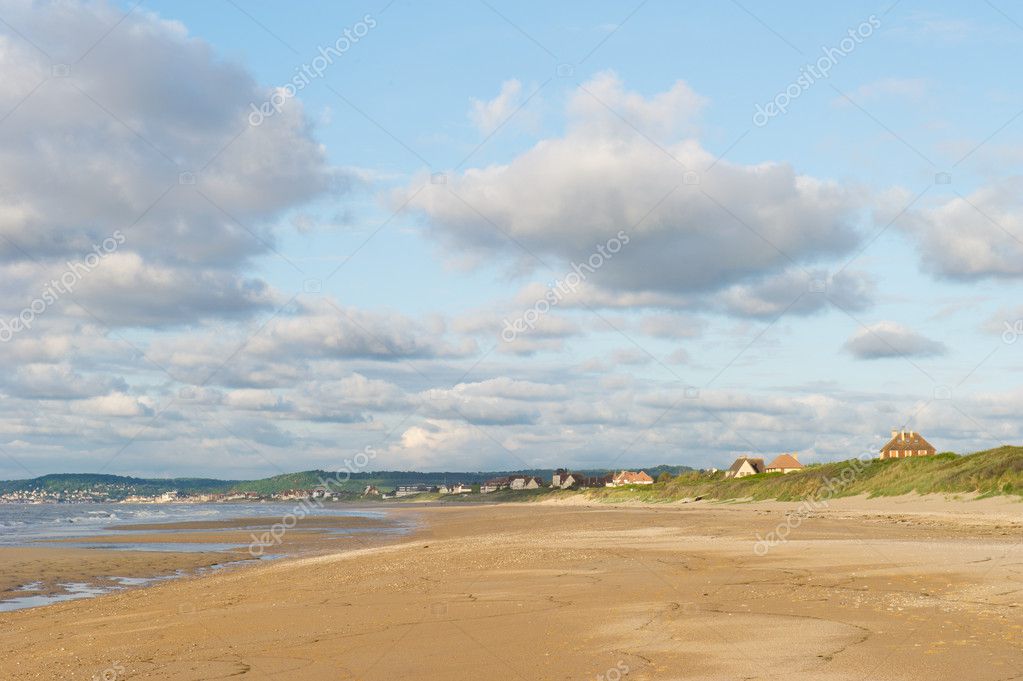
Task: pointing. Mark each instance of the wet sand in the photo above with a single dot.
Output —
(48, 566)
(555, 592)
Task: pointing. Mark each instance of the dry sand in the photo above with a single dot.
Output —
(553, 592)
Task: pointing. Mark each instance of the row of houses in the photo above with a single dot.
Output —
(565, 479)
(903, 444)
(748, 465)
(562, 479)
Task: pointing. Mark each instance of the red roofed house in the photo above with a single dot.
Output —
(907, 443)
(785, 463)
(630, 478)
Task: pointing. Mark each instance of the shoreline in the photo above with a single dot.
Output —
(134, 555)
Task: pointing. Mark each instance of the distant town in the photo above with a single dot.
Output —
(901, 445)
(561, 479)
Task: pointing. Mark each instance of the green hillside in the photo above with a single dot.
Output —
(988, 473)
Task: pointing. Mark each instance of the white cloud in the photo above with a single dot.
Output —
(57, 382)
(972, 236)
(104, 148)
(488, 115)
(320, 329)
(114, 404)
(891, 339)
(672, 326)
(603, 108)
(562, 198)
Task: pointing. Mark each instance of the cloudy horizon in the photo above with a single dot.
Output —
(244, 240)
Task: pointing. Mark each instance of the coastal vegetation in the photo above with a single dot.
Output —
(988, 473)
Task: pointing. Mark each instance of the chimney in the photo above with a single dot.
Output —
(895, 433)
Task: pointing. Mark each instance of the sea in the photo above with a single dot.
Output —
(28, 524)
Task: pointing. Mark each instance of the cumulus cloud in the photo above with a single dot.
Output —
(672, 326)
(565, 196)
(143, 131)
(487, 115)
(57, 382)
(320, 329)
(891, 339)
(970, 237)
(792, 291)
(114, 404)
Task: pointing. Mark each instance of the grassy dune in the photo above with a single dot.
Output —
(988, 473)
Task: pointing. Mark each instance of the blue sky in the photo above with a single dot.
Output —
(337, 276)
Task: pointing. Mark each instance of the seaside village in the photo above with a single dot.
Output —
(562, 479)
(902, 444)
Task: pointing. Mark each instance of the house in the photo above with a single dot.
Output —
(518, 482)
(562, 479)
(409, 490)
(371, 491)
(744, 466)
(559, 478)
(630, 478)
(494, 484)
(454, 488)
(907, 443)
(785, 463)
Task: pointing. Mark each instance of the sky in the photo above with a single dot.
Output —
(241, 238)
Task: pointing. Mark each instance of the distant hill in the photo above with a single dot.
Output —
(120, 486)
(988, 473)
(113, 483)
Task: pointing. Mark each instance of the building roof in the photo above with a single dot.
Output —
(907, 440)
(784, 461)
(631, 477)
(757, 464)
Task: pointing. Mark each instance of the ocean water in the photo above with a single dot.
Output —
(24, 524)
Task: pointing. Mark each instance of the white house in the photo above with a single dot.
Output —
(745, 466)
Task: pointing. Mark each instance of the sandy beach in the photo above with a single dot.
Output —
(859, 591)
